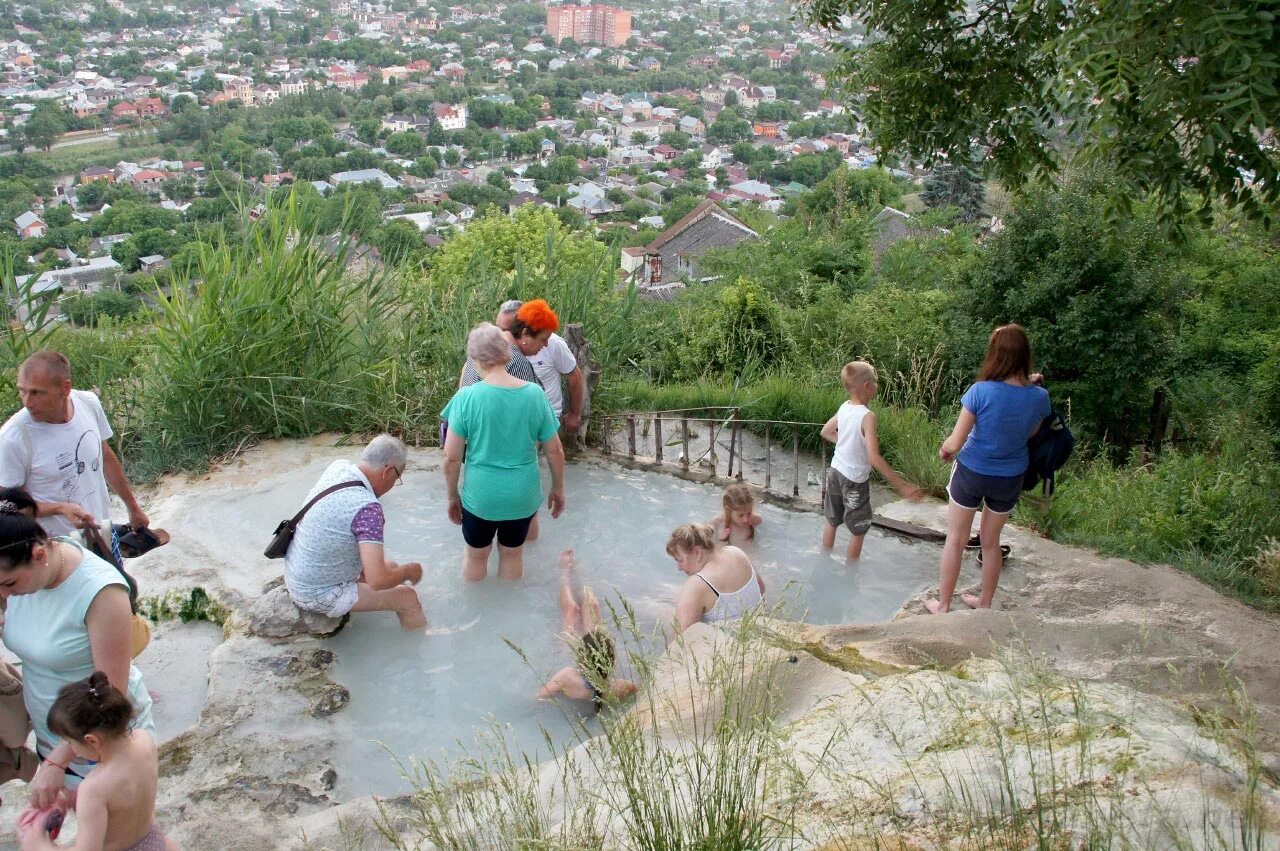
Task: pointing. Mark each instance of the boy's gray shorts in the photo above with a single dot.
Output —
(848, 502)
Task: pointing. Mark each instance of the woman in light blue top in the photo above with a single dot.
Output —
(988, 450)
(499, 422)
(66, 615)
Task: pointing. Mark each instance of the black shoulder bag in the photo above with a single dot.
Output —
(283, 535)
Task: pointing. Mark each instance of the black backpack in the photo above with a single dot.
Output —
(1049, 448)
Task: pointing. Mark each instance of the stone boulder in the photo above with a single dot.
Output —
(274, 615)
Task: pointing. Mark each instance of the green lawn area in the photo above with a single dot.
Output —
(105, 152)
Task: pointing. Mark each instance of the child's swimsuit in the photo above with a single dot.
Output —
(586, 657)
(152, 841)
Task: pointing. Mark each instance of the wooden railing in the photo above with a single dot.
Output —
(648, 437)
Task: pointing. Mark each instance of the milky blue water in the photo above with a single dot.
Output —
(426, 696)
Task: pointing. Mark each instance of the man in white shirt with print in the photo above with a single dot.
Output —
(56, 448)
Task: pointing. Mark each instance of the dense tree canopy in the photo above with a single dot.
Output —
(1178, 95)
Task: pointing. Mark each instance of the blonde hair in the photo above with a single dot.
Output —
(685, 538)
(486, 346)
(738, 495)
(855, 372)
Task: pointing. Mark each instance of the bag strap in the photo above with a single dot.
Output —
(94, 537)
(297, 518)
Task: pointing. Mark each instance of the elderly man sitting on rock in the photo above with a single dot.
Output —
(336, 562)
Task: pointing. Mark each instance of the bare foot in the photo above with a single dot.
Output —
(566, 560)
(973, 601)
(935, 607)
(416, 619)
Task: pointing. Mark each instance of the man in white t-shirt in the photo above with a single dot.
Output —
(554, 362)
(56, 448)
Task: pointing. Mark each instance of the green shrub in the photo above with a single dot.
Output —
(1212, 513)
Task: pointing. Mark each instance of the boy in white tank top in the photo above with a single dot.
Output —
(853, 431)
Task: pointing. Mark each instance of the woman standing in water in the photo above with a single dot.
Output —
(498, 423)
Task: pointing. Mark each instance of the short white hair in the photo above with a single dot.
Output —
(486, 345)
(385, 451)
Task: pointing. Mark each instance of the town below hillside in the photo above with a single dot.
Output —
(130, 128)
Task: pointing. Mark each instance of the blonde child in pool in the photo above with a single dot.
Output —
(857, 452)
(590, 677)
(115, 805)
(737, 523)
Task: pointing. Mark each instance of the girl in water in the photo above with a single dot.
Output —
(590, 677)
(737, 523)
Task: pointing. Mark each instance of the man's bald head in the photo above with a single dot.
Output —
(47, 364)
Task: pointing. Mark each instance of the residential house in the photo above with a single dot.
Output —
(450, 116)
(124, 112)
(453, 71)
(630, 156)
(750, 97)
(294, 84)
(641, 110)
(95, 173)
(591, 206)
(521, 198)
(891, 225)
(30, 226)
(398, 122)
(87, 277)
(752, 190)
(423, 221)
(147, 180)
(365, 175)
(691, 125)
(712, 158)
(665, 152)
(766, 129)
(674, 254)
(652, 130)
(101, 245)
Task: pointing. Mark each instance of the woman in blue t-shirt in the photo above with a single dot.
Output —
(988, 447)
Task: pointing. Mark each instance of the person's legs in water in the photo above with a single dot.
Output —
(511, 537)
(510, 562)
(402, 599)
(475, 562)
(570, 611)
(533, 529)
(989, 529)
(959, 524)
(477, 535)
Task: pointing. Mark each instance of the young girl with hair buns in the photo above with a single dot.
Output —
(115, 805)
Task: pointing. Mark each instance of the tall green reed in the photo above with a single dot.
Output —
(277, 338)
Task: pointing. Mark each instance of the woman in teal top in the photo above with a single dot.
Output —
(499, 423)
(66, 615)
